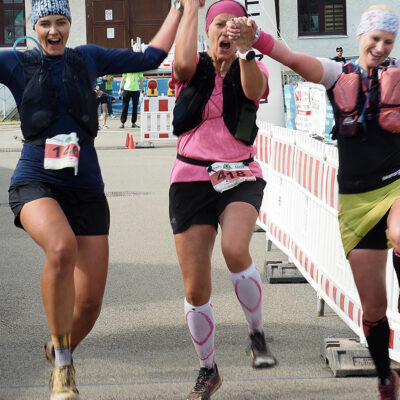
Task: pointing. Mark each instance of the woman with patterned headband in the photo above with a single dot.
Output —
(365, 97)
(215, 179)
(57, 191)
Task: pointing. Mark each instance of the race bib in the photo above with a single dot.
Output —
(62, 151)
(225, 176)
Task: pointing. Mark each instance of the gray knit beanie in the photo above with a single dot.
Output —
(43, 8)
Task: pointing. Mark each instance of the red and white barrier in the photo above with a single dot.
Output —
(156, 118)
(299, 214)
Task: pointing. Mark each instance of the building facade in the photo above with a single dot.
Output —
(316, 27)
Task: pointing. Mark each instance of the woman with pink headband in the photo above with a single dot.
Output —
(215, 179)
(364, 95)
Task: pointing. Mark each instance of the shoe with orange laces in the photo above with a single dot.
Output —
(390, 391)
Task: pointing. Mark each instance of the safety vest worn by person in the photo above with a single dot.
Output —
(357, 98)
(239, 112)
(38, 107)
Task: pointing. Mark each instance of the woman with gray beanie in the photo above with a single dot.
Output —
(57, 191)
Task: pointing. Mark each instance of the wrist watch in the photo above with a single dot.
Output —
(178, 5)
(248, 55)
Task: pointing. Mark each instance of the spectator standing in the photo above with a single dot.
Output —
(108, 80)
(102, 98)
(339, 55)
(130, 85)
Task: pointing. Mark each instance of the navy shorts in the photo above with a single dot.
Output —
(198, 203)
(87, 213)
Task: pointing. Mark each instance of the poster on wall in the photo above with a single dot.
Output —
(109, 15)
(303, 104)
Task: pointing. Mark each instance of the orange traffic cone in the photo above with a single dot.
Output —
(131, 143)
(127, 140)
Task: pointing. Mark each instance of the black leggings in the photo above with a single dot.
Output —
(128, 95)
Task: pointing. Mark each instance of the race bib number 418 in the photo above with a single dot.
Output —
(225, 176)
(62, 151)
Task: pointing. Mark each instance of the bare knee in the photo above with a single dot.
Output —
(197, 296)
(374, 311)
(61, 257)
(237, 257)
(394, 237)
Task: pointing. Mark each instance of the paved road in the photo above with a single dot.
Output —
(140, 348)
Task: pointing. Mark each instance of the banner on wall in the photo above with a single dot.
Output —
(308, 109)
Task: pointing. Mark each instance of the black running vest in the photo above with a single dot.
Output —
(38, 107)
(239, 112)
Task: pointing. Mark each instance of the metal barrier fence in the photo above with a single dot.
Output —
(299, 214)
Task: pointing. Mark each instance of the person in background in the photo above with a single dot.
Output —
(130, 86)
(339, 55)
(215, 180)
(108, 83)
(102, 98)
(365, 95)
(57, 191)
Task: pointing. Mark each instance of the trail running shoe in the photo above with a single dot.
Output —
(389, 392)
(49, 352)
(262, 356)
(207, 383)
(62, 383)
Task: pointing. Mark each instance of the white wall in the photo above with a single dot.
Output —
(325, 46)
(78, 27)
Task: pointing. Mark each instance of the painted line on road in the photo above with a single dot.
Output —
(244, 380)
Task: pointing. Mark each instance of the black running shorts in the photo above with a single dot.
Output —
(87, 213)
(198, 203)
(376, 238)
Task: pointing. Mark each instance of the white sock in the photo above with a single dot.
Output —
(200, 321)
(248, 289)
(62, 356)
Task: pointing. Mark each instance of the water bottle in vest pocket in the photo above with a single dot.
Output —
(389, 105)
(346, 96)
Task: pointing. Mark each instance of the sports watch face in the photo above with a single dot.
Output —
(250, 55)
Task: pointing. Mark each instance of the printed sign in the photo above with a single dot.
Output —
(109, 15)
(110, 33)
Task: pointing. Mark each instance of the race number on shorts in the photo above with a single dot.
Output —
(62, 151)
(225, 176)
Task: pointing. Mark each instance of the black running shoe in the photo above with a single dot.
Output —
(262, 356)
(207, 383)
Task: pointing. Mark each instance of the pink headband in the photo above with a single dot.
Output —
(224, 7)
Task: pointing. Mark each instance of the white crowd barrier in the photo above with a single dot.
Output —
(299, 214)
(156, 118)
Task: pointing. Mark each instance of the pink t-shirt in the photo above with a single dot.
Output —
(211, 140)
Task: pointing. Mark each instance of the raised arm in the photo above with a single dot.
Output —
(310, 68)
(254, 82)
(165, 37)
(186, 42)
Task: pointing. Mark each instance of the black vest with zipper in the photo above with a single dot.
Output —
(38, 107)
(239, 113)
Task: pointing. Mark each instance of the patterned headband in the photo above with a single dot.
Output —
(43, 8)
(378, 20)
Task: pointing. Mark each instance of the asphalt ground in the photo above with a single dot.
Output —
(140, 348)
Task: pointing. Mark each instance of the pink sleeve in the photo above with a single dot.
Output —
(265, 43)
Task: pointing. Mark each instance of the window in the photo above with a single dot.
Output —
(12, 22)
(322, 17)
